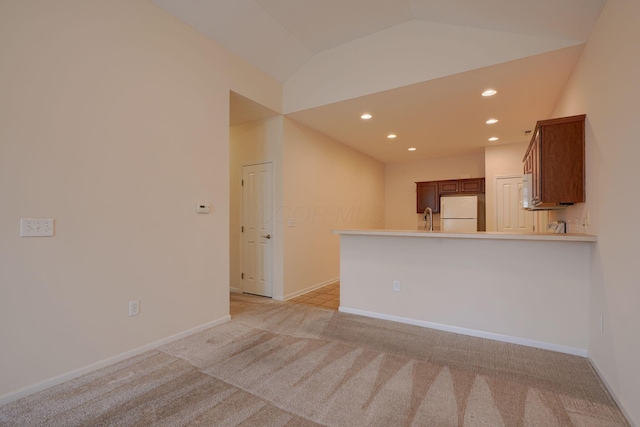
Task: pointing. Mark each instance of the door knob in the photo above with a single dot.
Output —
(268, 236)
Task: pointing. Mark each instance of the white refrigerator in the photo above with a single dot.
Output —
(459, 213)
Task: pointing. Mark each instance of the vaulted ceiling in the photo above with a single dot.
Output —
(443, 53)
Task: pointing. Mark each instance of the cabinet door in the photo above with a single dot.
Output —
(449, 187)
(472, 186)
(562, 162)
(536, 183)
(427, 196)
(528, 162)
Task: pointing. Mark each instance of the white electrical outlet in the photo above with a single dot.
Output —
(31, 227)
(134, 308)
(396, 286)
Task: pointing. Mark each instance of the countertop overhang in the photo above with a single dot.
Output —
(568, 237)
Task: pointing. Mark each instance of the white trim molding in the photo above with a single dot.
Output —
(611, 391)
(310, 288)
(470, 332)
(12, 396)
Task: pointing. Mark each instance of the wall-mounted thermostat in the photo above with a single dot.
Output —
(202, 208)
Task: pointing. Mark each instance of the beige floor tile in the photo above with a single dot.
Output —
(325, 297)
(331, 305)
(315, 301)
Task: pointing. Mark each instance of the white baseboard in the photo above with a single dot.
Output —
(235, 290)
(10, 397)
(310, 288)
(611, 392)
(471, 332)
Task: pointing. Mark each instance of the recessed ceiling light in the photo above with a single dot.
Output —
(366, 116)
(412, 149)
(489, 92)
(392, 135)
(492, 121)
(493, 138)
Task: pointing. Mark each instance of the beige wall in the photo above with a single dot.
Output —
(605, 86)
(327, 185)
(255, 142)
(400, 187)
(114, 121)
(500, 160)
(462, 285)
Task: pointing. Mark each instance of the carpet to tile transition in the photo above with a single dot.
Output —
(281, 364)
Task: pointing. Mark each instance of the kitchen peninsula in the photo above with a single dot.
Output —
(530, 288)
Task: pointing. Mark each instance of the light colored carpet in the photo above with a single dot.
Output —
(283, 364)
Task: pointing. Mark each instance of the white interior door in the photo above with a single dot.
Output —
(257, 229)
(511, 216)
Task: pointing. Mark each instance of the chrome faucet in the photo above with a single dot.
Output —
(428, 213)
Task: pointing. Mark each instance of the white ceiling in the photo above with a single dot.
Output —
(447, 116)
(279, 36)
(440, 117)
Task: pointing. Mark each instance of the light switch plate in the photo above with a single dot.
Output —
(31, 227)
(203, 208)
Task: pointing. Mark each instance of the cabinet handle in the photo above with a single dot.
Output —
(268, 236)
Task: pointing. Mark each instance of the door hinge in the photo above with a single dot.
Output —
(242, 275)
(242, 229)
(242, 183)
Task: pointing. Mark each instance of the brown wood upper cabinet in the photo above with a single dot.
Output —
(428, 192)
(556, 161)
(428, 195)
(472, 186)
(469, 186)
(449, 187)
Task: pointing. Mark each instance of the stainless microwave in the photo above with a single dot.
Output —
(527, 191)
(527, 197)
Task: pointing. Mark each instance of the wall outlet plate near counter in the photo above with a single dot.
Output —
(32, 227)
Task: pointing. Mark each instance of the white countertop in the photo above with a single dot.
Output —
(568, 237)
